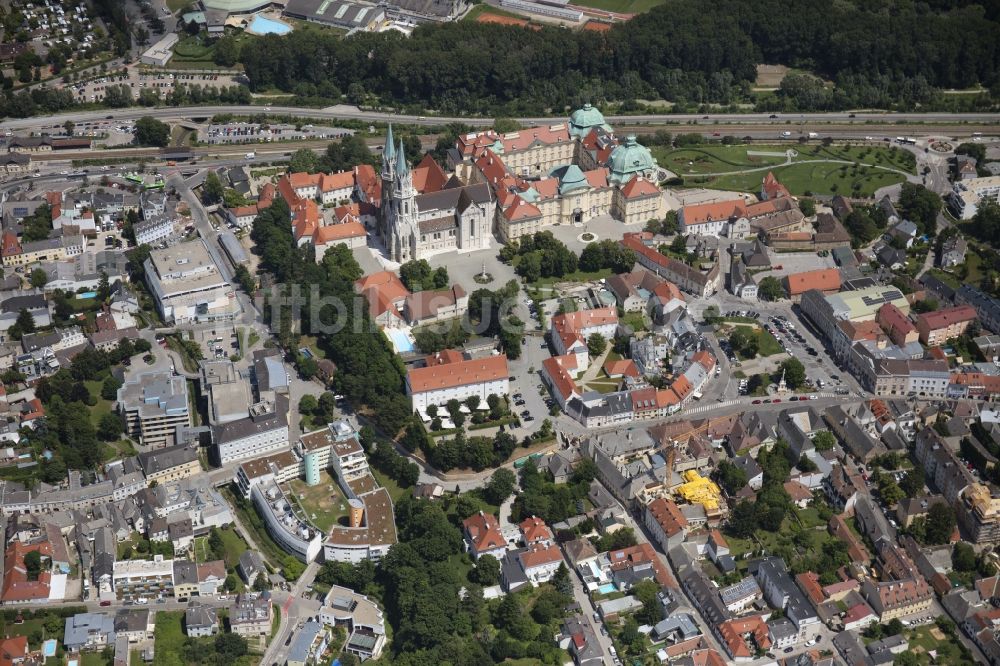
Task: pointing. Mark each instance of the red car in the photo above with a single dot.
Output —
(755, 402)
(105, 603)
(777, 400)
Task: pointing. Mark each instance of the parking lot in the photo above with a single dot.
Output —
(163, 83)
(256, 133)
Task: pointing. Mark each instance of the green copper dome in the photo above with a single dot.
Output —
(629, 159)
(570, 178)
(584, 119)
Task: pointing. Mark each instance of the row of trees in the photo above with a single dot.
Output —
(685, 52)
(542, 255)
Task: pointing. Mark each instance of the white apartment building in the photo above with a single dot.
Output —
(450, 378)
(144, 579)
(967, 195)
(187, 285)
(153, 230)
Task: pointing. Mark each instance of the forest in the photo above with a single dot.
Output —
(878, 54)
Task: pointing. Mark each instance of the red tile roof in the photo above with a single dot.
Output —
(714, 211)
(944, 318)
(459, 373)
(483, 531)
(428, 176)
(824, 279)
(13, 650)
(732, 633)
(621, 368)
(668, 516)
(809, 583)
(772, 188)
(16, 586)
(539, 555)
(642, 553)
(640, 187)
(338, 232)
(557, 368)
(534, 530)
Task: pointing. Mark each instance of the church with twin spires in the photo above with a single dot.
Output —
(514, 184)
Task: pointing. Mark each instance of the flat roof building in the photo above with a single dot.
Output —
(188, 286)
(154, 404)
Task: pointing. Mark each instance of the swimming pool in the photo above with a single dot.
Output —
(401, 340)
(261, 25)
(607, 588)
(87, 294)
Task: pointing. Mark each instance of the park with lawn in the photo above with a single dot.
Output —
(804, 169)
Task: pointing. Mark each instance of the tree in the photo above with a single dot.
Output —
(807, 206)
(39, 278)
(770, 289)
(110, 427)
(230, 647)
(69, 126)
(416, 275)
(212, 189)
(861, 226)
(226, 51)
(109, 387)
(596, 344)
(500, 486)
(963, 557)
(940, 523)
(38, 225)
(730, 477)
(308, 404)
(921, 206)
(33, 564)
(25, 323)
(913, 482)
(561, 580)
(151, 132)
(744, 342)
(794, 372)
(103, 287)
(487, 571)
(302, 160)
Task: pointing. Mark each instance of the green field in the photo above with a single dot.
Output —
(235, 546)
(715, 158)
(929, 637)
(767, 344)
(396, 492)
(804, 175)
(622, 6)
(323, 504)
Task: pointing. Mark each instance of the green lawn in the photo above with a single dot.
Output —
(819, 178)
(395, 490)
(169, 637)
(576, 276)
(235, 546)
(177, 5)
(822, 178)
(324, 504)
(637, 320)
(922, 640)
(767, 344)
(715, 158)
(93, 659)
(102, 407)
(193, 49)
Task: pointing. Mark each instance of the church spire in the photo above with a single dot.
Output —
(390, 147)
(401, 167)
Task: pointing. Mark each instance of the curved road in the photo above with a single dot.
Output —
(353, 113)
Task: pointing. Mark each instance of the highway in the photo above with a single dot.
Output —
(344, 112)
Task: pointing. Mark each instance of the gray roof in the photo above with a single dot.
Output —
(153, 462)
(781, 628)
(29, 302)
(681, 623)
(251, 563)
(80, 627)
(256, 423)
(458, 198)
(301, 644)
(185, 572)
(200, 616)
(129, 620)
(705, 596)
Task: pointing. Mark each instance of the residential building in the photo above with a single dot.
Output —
(483, 536)
(200, 620)
(363, 620)
(665, 522)
(740, 596)
(941, 325)
(169, 464)
(968, 195)
(134, 624)
(824, 280)
(250, 566)
(987, 307)
(143, 579)
(744, 637)
(699, 280)
(570, 331)
(309, 642)
(154, 404)
(447, 376)
(427, 306)
(250, 617)
(781, 592)
(88, 631)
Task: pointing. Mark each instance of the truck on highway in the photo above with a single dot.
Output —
(786, 134)
(250, 156)
(813, 135)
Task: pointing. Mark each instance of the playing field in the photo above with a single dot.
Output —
(621, 6)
